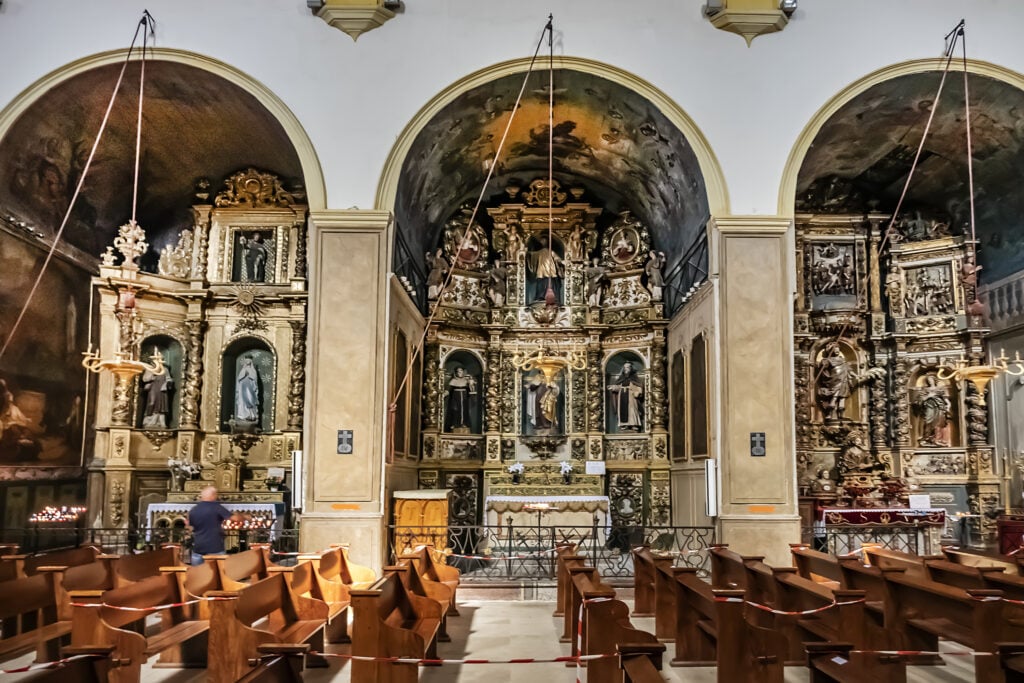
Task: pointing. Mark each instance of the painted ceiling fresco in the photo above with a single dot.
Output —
(862, 155)
(195, 124)
(607, 139)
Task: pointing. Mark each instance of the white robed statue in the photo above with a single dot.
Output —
(627, 393)
(247, 392)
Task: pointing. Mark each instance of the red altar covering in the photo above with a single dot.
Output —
(884, 516)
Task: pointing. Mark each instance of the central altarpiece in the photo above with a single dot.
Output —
(587, 290)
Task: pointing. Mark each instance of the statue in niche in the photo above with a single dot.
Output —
(542, 405)
(854, 458)
(627, 395)
(461, 402)
(497, 283)
(655, 278)
(437, 268)
(823, 483)
(836, 380)
(931, 403)
(597, 276)
(247, 396)
(546, 268)
(254, 258)
(894, 290)
(513, 246)
(574, 246)
(157, 391)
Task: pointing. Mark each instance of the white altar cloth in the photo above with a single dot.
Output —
(565, 511)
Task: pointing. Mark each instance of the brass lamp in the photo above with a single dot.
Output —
(981, 375)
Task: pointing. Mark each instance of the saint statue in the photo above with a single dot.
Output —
(546, 266)
(461, 399)
(655, 278)
(254, 258)
(542, 405)
(931, 403)
(437, 268)
(157, 392)
(597, 275)
(835, 380)
(627, 394)
(574, 247)
(497, 283)
(854, 458)
(247, 392)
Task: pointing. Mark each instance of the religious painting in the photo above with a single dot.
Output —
(544, 269)
(625, 244)
(253, 256)
(543, 403)
(677, 405)
(833, 274)
(928, 290)
(625, 389)
(158, 406)
(463, 392)
(42, 382)
(247, 387)
(700, 447)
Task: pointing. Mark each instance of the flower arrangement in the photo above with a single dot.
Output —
(184, 467)
(566, 467)
(516, 468)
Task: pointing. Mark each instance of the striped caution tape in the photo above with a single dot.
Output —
(579, 636)
(441, 662)
(48, 665)
(923, 653)
(153, 608)
(519, 556)
(772, 610)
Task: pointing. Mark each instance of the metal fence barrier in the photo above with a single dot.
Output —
(507, 552)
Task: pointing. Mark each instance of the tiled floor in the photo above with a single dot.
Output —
(513, 629)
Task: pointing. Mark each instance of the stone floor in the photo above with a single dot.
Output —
(504, 629)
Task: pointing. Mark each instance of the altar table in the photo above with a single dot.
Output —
(915, 530)
(576, 511)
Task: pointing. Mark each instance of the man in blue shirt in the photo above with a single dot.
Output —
(206, 519)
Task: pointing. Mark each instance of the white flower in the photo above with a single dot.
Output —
(566, 467)
(517, 468)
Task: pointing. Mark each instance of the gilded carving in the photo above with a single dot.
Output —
(252, 189)
(579, 400)
(595, 448)
(626, 449)
(297, 375)
(193, 375)
(115, 510)
(176, 260)
(578, 449)
(626, 494)
(491, 389)
(120, 413)
(277, 449)
(595, 388)
(300, 250)
(657, 377)
(431, 390)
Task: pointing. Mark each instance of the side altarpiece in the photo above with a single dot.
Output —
(226, 312)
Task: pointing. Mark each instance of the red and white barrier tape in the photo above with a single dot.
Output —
(922, 653)
(48, 665)
(579, 637)
(520, 556)
(154, 608)
(772, 610)
(439, 662)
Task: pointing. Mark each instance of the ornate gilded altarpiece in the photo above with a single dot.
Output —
(594, 292)
(874, 321)
(227, 312)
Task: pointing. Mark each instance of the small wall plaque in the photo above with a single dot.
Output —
(345, 442)
(757, 444)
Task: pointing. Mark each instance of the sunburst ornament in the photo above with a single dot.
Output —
(249, 307)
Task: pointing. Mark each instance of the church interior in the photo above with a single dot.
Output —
(698, 323)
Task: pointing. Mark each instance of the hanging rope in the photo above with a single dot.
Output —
(418, 349)
(970, 164)
(549, 296)
(957, 34)
(146, 26)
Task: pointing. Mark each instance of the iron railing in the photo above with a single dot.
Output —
(509, 552)
(845, 540)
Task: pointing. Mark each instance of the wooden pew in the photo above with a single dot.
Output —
(645, 564)
(429, 568)
(561, 575)
(585, 584)
(390, 621)
(606, 624)
(713, 631)
(239, 570)
(727, 567)
(95, 668)
(967, 576)
(28, 612)
(883, 558)
(841, 663)
(278, 664)
(335, 565)
(562, 592)
(666, 608)
(264, 612)
(20, 566)
(926, 611)
(816, 565)
(1011, 662)
(640, 663)
(308, 583)
(179, 640)
(976, 558)
(425, 588)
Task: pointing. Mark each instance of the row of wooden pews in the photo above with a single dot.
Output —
(595, 622)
